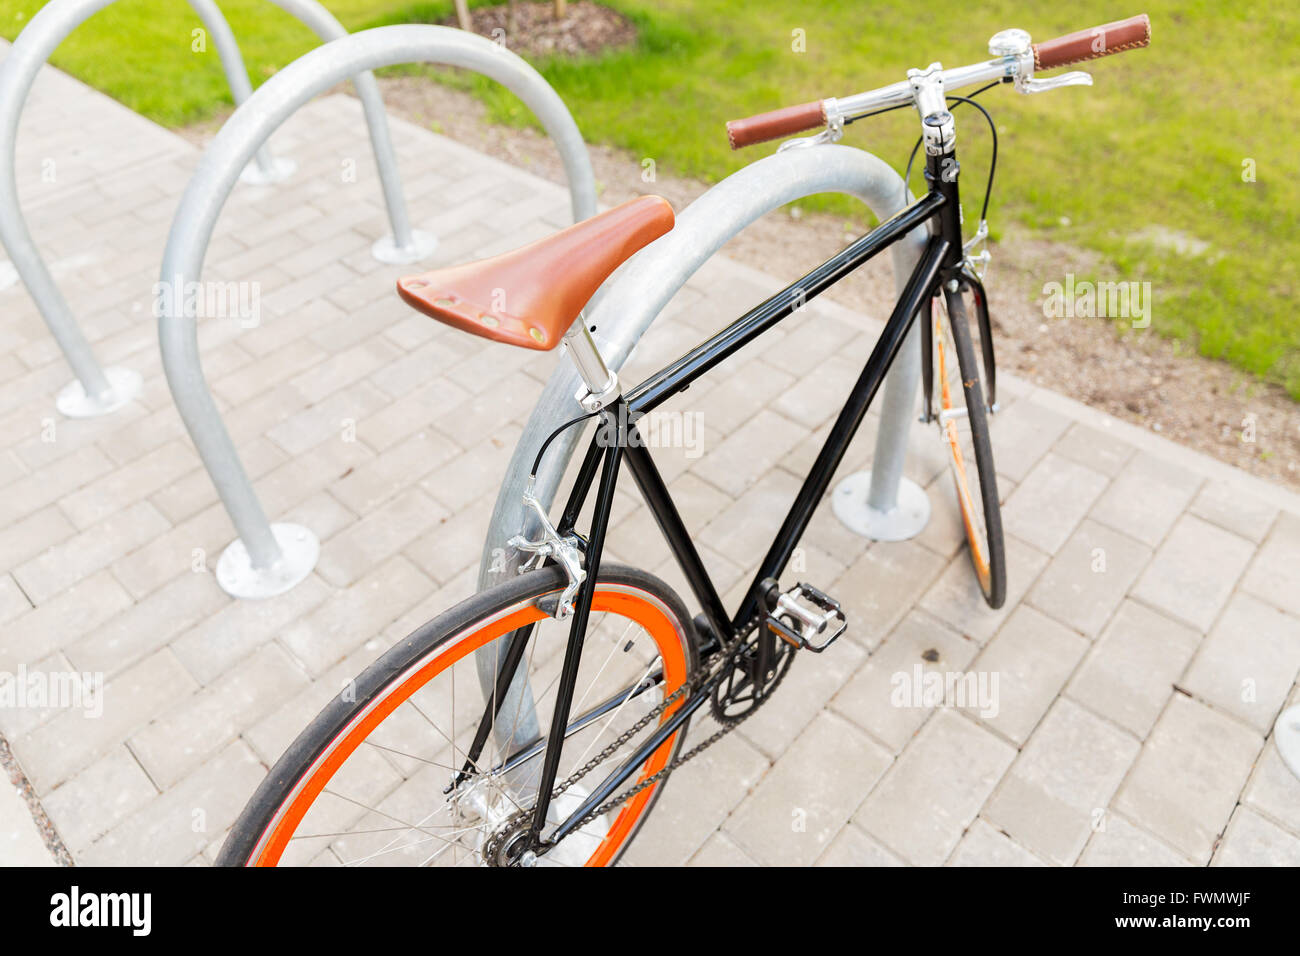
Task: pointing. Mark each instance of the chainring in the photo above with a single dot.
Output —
(739, 695)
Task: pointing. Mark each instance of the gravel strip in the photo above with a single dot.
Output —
(53, 842)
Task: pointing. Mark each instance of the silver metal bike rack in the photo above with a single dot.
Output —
(654, 276)
(638, 294)
(96, 390)
(405, 245)
(270, 559)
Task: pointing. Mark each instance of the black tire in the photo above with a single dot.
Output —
(984, 531)
(380, 678)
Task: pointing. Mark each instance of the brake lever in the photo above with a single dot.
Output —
(828, 135)
(1017, 43)
(833, 132)
(1035, 85)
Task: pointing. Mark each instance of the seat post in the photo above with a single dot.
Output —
(601, 384)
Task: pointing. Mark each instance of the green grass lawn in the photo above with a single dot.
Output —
(1159, 142)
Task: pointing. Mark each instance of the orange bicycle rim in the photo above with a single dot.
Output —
(622, 600)
(960, 479)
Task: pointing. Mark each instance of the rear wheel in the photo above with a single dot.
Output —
(963, 427)
(368, 782)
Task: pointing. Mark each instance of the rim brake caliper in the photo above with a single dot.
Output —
(975, 264)
(564, 550)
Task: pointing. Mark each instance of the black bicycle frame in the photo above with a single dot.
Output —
(617, 441)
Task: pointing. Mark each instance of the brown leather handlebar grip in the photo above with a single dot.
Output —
(774, 125)
(1130, 34)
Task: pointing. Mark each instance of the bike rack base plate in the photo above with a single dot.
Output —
(124, 385)
(422, 245)
(281, 168)
(299, 551)
(905, 520)
(1286, 734)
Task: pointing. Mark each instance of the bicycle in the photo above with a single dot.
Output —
(400, 769)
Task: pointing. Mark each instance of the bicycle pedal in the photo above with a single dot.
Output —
(798, 615)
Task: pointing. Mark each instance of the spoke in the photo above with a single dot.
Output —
(345, 833)
(390, 845)
(503, 752)
(536, 701)
(617, 710)
(454, 758)
(437, 853)
(403, 753)
(504, 792)
(410, 826)
(496, 679)
(407, 846)
(442, 734)
(386, 833)
(609, 657)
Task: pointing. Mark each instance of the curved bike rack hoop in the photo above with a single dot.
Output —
(654, 276)
(635, 299)
(98, 391)
(267, 559)
(639, 293)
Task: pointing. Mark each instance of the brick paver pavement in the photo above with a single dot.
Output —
(1150, 637)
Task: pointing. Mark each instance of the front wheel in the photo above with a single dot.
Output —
(369, 782)
(963, 426)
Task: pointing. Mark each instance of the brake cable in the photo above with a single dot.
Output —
(993, 160)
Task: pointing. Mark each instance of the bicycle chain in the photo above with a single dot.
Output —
(493, 844)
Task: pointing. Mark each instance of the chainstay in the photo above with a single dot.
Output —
(619, 741)
(701, 684)
(658, 775)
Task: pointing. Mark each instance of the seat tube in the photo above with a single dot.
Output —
(600, 382)
(578, 624)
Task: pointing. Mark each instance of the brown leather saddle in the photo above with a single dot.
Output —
(531, 295)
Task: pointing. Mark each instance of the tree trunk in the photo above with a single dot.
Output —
(462, 16)
(561, 8)
(512, 20)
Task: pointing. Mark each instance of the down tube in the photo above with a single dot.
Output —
(919, 286)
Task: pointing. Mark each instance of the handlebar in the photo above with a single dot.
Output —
(1116, 37)
(777, 123)
(1016, 59)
